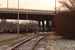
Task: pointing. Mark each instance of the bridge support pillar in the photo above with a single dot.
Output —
(47, 25)
(39, 25)
(43, 26)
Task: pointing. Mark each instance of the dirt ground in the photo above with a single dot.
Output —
(7, 36)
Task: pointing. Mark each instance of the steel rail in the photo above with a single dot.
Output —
(24, 41)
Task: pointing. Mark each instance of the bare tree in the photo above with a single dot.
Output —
(70, 4)
(65, 21)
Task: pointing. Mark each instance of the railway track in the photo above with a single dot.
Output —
(27, 44)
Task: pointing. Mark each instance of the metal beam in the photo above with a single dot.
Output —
(36, 17)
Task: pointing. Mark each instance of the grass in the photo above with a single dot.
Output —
(10, 42)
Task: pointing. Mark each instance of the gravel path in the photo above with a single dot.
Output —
(54, 43)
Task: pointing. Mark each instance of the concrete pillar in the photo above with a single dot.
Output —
(43, 25)
(47, 25)
(39, 24)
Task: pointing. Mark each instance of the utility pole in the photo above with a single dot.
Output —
(55, 7)
(18, 18)
(7, 4)
(26, 19)
(54, 17)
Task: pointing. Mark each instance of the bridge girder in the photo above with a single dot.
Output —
(36, 17)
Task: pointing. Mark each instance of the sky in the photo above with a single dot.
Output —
(30, 4)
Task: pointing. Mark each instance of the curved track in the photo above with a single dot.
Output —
(27, 44)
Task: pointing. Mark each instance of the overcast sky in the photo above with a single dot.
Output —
(29, 4)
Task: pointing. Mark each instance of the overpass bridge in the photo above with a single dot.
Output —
(37, 15)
